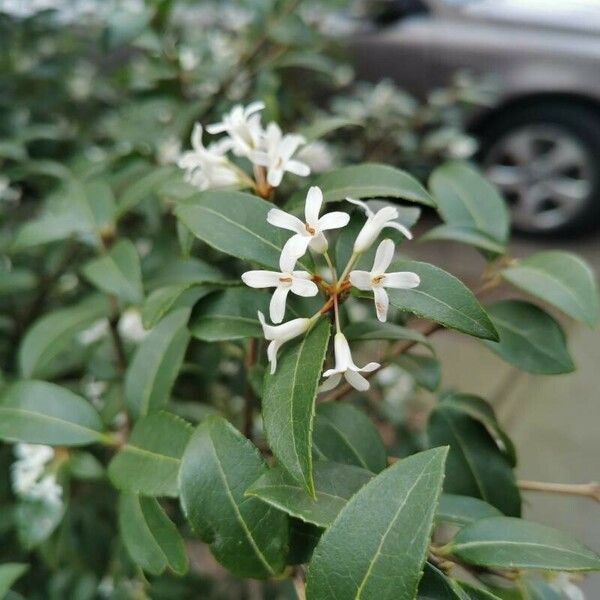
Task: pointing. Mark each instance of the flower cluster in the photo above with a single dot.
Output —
(270, 151)
(310, 235)
(30, 479)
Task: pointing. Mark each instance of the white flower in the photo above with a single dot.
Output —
(243, 127)
(280, 334)
(377, 279)
(27, 474)
(563, 584)
(95, 332)
(168, 151)
(318, 156)
(208, 167)
(309, 233)
(277, 155)
(376, 222)
(297, 282)
(130, 326)
(344, 365)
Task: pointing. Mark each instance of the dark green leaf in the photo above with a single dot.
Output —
(322, 127)
(475, 466)
(235, 223)
(511, 543)
(434, 585)
(145, 187)
(166, 299)
(363, 331)
(386, 524)
(466, 199)
(289, 402)
(478, 593)
(529, 338)
(246, 535)
(229, 315)
(16, 281)
(481, 410)
(346, 435)
(462, 510)
(561, 279)
(117, 273)
(37, 412)
(9, 573)
(464, 235)
(156, 364)
(425, 370)
(149, 463)
(442, 298)
(334, 485)
(369, 180)
(151, 539)
(53, 334)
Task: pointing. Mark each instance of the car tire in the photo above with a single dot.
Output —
(545, 159)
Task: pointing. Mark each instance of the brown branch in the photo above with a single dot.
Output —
(299, 586)
(590, 490)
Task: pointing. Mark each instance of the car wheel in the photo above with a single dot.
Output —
(545, 159)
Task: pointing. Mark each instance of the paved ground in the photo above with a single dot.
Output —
(554, 421)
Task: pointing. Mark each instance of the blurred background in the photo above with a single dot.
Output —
(113, 88)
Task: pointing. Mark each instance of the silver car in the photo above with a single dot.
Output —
(540, 143)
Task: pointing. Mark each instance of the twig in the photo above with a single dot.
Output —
(299, 586)
(591, 489)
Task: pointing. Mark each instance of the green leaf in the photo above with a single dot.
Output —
(9, 573)
(561, 279)
(509, 543)
(245, 535)
(386, 524)
(322, 127)
(334, 485)
(16, 281)
(481, 410)
(181, 271)
(363, 331)
(434, 585)
(425, 370)
(37, 412)
(166, 299)
(462, 510)
(477, 593)
(53, 334)
(464, 235)
(118, 273)
(442, 298)
(346, 435)
(369, 180)
(151, 539)
(466, 199)
(149, 463)
(145, 187)
(156, 364)
(529, 338)
(236, 224)
(475, 465)
(288, 403)
(229, 314)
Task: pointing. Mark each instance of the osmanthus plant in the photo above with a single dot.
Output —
(235, 418)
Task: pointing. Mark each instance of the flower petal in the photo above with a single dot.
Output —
(274, 177)
(381, 303)
(356, 380)
(197, 137)
(304, 287)
(297, 168)
(272, 349)
(362, 205)
(215, 128)
(253, 107)
(361, 280)
(318, 243)
(312, 207)
(370, 367)
(277, 305)
(260, 279)
(259, 158)
(401, 280)
(333, 220)
(401, 228)
(331, 381)
(343, 357)
(295, 248)
(383, 257)
(280, 218)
